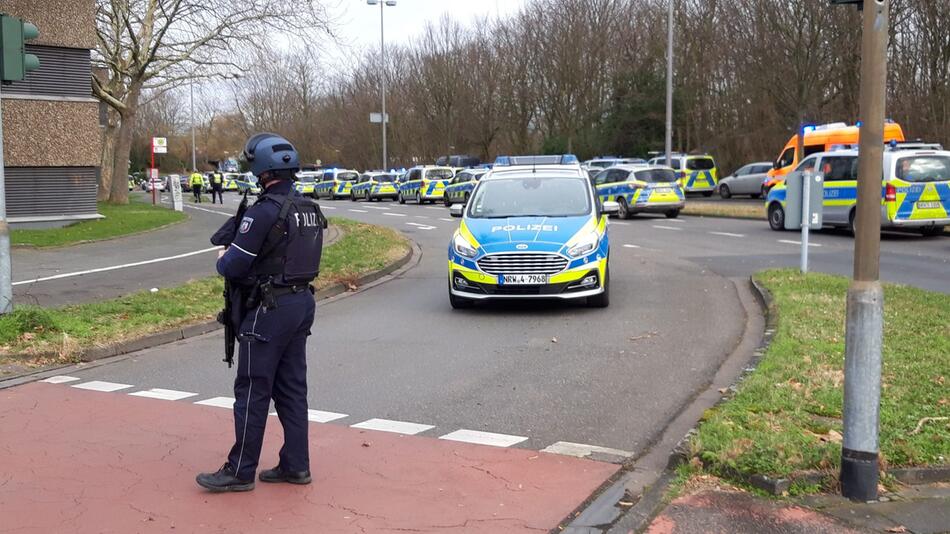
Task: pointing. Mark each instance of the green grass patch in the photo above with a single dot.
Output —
(724, 209)
(34, 336)
(786, 415)
(120, 220)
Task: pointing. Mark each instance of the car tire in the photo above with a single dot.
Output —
(446, 201)
(603, 299)
(852, 219)
(672, 214)
(931, 231)
(624, 212)
(402, 199)
(352, 196)
(724, 192)
(419, 200)
(776, 217)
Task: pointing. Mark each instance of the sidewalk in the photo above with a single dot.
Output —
(710, 508)
(89, 461)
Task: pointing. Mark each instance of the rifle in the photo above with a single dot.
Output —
(234, 300)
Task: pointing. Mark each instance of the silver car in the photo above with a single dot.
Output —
(745, 181)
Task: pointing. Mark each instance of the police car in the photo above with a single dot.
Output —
(335, 183)
(915, 191)
(306, 183)
(374, 186)
(424, 183)
(531, 231)
(604, 162)
(231, 181)
(460, 187)
(641, 189)
(696, 173)
(248, 182)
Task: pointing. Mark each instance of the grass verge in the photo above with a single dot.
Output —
(724, 209)
(786, 415)
(32, 336)
(120, 220)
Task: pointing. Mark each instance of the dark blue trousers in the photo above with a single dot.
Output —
(272, 363)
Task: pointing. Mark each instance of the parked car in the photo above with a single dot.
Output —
(747, 180)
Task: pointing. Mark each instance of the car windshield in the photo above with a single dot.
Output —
(700, 164)
(347, 176)
(308, 178)
(930, 168)
(440, 174)
(656, 176)
(531, 197)
(385, 178)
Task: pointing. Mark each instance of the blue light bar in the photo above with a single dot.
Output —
(564, 159)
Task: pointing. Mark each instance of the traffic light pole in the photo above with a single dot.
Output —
(6, 263)
(865, 313)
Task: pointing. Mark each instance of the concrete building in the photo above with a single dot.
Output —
(52, 139)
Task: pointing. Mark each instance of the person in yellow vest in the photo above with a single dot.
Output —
(217, 186)
(196, 182)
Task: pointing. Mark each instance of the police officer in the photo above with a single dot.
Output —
(217, 187)
(196, 182)
(274, 256)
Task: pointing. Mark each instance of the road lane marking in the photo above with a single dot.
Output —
(620, 223)
(60, 379)
(209, 211)
(680, 221)
(395, 214)
(357, 211)
(667, 227)
(376, 207)
(434, 208)
(581, 450)
(116, 267)
(327, 207)
(420, 217)
(799, 243)
(163, 394)
(631, 246)
(483, 438)
(396, 427)
(421, 226)
(218, 402)
(99, 385)
(727, 234)
(446, 220)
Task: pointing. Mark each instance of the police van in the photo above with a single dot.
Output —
(696, 173)
(531, 231)
(335, 183)
(425, 183)
(460, 187)
(306, 183)
(915, 192)
(374, 186)
(641, 189)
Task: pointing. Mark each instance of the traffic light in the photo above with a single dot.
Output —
(14, 61)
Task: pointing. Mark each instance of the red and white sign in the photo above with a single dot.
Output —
(160, 145)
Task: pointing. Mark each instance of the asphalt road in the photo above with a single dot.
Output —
(548, 372)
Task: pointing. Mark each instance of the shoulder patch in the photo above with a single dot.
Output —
(246, 223)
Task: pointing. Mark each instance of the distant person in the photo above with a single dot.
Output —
(196, 182)
(217, 187)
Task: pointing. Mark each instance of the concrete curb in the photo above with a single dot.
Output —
(197, 329)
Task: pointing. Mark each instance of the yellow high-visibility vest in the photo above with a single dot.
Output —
(196, 179)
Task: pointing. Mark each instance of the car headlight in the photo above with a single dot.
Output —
(463, 247)
(584, 246)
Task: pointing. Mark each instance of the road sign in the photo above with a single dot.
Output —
(160, 145)
(377, 118)
(153, 173)
(794, 200)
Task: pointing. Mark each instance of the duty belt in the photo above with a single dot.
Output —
(269, 293)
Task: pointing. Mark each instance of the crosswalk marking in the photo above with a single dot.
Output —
(99, 385)
(397, 427)
(483, 438)
(163, 394)
(60, 379)
(581, 450)
(218, 402)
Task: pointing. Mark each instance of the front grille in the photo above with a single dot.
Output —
(522, 263)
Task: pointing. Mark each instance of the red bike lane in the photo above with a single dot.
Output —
(85, 461)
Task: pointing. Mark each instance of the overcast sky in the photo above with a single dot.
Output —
(359, 22)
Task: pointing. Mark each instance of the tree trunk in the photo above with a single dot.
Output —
(107, 162)
(119, 192)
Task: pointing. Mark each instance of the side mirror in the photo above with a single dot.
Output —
(456, 210)
(611, 207)
(776, 166)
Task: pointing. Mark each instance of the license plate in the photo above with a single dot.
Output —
(524, 279)
(928, 205)
(664, 191)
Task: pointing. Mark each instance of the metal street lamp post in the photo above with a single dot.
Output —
(669, 87)
(382, 69)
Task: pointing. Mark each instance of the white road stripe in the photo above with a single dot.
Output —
(420, 216)
(376, 207)
(218, 402)
(581, 450)
(446, 220)
(727, 234)
(621, 223)
(60, 379)
(209, 211)
(318, 416)
(434, 208)
(395, 214)
(116, 267)
(483, 438)
(631, 246)
(326, 207)
(666, 227)
(799, 243)
(421, 226)
(398, 427)
(680, 221)
(163, 394)
(357, 211)
(98, 385)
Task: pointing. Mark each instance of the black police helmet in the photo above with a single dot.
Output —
(271, 152)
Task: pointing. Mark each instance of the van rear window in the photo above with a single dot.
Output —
(700, 164)
(931, 168)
